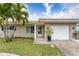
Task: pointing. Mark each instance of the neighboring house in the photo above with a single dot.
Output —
(63, 29)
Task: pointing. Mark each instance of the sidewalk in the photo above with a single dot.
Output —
(8, 54)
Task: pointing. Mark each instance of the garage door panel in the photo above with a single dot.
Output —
(60, 32)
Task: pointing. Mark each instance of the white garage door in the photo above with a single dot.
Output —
(60, 32)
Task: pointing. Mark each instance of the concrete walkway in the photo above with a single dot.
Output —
(8, 54)
(69, 48)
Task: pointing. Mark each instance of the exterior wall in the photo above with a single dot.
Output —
(1, 33)
(71, 31)
(21, 32)
(46, 25)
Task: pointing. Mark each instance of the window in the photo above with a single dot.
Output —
(30, 29)
(39, 30)
(10, 27)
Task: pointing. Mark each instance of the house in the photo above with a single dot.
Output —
(63, 29)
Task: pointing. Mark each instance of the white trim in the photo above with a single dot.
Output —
(35, 31)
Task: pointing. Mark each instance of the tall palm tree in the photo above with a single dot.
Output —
(13, 11)
(19, 14)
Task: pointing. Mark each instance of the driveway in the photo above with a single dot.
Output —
(69, 48)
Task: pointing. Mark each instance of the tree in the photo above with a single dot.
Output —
(12, 11)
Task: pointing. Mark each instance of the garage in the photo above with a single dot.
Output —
(60, 32)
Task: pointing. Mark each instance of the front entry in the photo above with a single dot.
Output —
(40, 31)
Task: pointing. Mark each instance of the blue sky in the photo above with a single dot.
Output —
(53, 10)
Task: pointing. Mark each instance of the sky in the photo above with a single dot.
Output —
(52, 10)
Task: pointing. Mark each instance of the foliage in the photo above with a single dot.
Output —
(12, 11)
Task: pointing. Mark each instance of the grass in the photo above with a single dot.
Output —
(25, 47)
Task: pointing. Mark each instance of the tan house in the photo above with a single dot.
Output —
(63, 29)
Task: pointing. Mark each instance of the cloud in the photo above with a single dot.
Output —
(48, 9)
(33, 17)
(74, 12)
(64, 13)
(61, 14)
(68, 11)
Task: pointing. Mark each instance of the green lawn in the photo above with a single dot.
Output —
(25, 47)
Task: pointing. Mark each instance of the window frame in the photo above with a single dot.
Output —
(9, 27)
(29, 29)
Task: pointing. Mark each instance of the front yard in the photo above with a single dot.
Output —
(25, 47)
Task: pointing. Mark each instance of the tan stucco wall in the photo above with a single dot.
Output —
(47, 25)
(1, 33)
(21, 32)
(71, 30)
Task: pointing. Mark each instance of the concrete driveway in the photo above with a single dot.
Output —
(69, 48)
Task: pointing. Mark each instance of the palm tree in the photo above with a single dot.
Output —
(13, 11)
(19, 15)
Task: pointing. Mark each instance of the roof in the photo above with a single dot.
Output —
(52, 20)
(62, 20)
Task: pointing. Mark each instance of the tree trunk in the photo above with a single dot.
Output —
(5, 29)
(8, 34)
(12, 35)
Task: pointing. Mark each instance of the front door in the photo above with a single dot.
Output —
(39, 30)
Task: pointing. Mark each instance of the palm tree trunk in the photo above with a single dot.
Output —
(6, 31)
(12, 35)
(8, 34)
